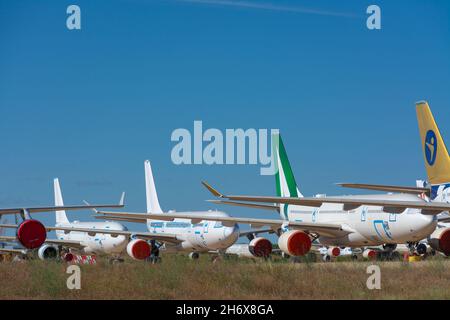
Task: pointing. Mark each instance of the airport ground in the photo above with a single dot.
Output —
(177, 277)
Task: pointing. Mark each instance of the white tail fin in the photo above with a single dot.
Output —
(61, 217)
(150, 190)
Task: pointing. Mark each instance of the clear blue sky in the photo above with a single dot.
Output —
(90, 106)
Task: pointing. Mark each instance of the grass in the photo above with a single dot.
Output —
(177, 277)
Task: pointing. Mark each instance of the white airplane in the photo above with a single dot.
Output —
(330, 253)
(244, 250)
(197, 234)
(31, 233)
(99, 243)
(257, 247)
(351, 221)
(437, 189)
(110, 238)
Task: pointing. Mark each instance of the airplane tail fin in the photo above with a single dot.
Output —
(284, 176)
(150, 190)
(437, 160)
(61, 217)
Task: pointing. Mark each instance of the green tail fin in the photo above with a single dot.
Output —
(284, 177)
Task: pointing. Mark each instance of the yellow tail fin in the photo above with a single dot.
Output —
(437, 160)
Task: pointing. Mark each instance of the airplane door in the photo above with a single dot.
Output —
(392, 217)
(205, 227)
(363, 214)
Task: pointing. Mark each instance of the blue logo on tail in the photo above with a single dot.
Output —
(430, 147)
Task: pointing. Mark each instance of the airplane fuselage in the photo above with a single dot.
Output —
(99, 243)
(369, 225)
(203, 236)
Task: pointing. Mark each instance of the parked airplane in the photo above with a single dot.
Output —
(88, 237)
(31, 233)
(78, 241)
(201, 232)
(437, 189)
(258, 247)
(353, 221)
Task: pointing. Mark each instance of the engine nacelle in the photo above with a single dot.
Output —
(47, 251)
(295, 243)
(139, 249)
(369, 254)
(194, 256)
(440, 240)
(260, 247)
(334, 251)
(31, 233)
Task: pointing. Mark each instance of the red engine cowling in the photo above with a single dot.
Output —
(68, 257)
(139, 249)
(369, 254)
(334, 251)
(440, 240)
(31, 233)
(295, 243)
(260, 247)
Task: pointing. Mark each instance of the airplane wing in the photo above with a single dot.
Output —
(66, 243)
(5, 250)
(249, 205)
(8, 238)
(142, 235)
(391, 206)
(56, 208)
(255, 231)
(324, 229)
(387, 188)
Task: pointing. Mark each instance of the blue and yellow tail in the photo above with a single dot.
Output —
(437, 160)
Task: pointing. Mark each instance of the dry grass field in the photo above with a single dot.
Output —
(177, 277)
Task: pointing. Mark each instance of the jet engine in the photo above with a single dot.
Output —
(260, 247)
(440, 240)
(31, 233)
(48, 252)
(295, 243)
(333, 251)
(139, 249)
(194, 255)
(369, 254)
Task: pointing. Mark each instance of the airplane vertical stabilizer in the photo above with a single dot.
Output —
(437, 160)
(150, 190)
(61, 217)
(284, 177)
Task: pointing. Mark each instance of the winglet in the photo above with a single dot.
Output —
(88, 204)
(212, 190)
(122, 199)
